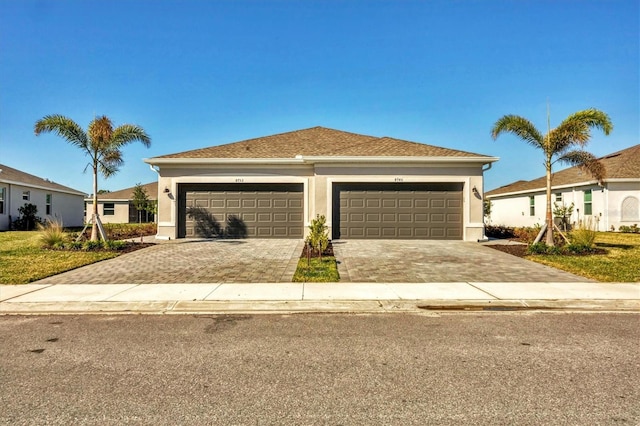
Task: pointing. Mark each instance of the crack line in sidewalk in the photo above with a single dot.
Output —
(484, 291)
(212, 291)
(29, 292)
(118, 293)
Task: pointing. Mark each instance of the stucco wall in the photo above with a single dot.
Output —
(120, 210)
(606, 206)
(318, 180)
(65, 207)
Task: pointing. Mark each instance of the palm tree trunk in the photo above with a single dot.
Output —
(94, 216)
(549, 216)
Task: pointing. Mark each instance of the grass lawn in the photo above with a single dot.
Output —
(23, 261)
(620, 264)
(325, 271)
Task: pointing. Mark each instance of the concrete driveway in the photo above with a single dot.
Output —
(274, 260)
(419, 261)
(194, 261)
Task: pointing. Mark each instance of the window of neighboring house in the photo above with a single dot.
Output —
(26, 195)
(630, 209)
(587, 203)
(109, 209)
(559, 197)
(2, 200)
(532, 206)
(48, 204)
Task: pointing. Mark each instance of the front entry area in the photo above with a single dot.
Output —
(240, 210)
(430, 211)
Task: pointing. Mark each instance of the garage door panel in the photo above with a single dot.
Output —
(403, 211)
(241, 210)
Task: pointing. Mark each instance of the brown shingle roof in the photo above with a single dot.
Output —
(127, 194)
(321, 141)
(623, 164)
(9, 174)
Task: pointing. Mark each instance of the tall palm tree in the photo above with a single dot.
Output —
(563, 144)
(102, 143)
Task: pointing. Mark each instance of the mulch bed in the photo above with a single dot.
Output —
(314, 253)
(519, 250)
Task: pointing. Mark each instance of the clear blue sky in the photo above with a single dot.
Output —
(202, 73)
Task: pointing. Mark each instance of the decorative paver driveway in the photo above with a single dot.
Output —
(419, 261)
(209, 261)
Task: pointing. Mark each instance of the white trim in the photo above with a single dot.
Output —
(565, 186)
(320, 159)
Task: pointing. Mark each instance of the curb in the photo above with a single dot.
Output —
(315, 306)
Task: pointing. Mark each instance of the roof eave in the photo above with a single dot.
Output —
(301, 159)
(42, 187)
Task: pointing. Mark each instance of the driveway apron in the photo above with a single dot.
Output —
(424, 261)
(194, 261)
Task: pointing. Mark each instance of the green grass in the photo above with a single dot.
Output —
(621, 263)
(22, 260)
(325, 271)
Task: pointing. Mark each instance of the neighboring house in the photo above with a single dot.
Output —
(118, 206)
(365, 186)
(18, 188)
(614, 203)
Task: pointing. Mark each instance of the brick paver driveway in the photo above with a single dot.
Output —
(184, 261)
(418, 261)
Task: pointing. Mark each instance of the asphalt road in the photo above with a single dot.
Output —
(399, 369)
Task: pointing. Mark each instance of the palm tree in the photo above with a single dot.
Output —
(560, 145)
(102, 143)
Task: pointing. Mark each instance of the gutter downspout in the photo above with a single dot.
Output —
(484, 236)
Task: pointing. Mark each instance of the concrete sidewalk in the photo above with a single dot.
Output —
(315, 297)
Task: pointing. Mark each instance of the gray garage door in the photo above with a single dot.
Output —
(400, 211)
(241, 210)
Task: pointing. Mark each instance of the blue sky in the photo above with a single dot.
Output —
(202, 73)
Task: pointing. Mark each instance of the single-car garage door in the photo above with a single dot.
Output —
(400, 211)
(241, 210)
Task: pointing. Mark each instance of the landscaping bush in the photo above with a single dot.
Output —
(28, 219)
(527, 234)
(318, 237)
(633, 229)
(123, 231)
(500, 232)
(542, 248)
(584, 235)
(52, 234)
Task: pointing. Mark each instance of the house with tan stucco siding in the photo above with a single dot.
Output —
(365, 186)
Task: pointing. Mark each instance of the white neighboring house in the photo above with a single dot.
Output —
(18, 188)
(117, 206)
(614, 203)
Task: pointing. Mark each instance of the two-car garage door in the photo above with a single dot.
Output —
(397, 211)
(241, 210)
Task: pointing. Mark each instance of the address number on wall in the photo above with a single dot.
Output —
(398, 179)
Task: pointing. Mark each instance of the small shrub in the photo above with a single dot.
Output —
(91, 245)
(527, 234)
(500, 232)
(318, 237)
(633, 229)
(52, 234)
(542, 248)
(27, 219)
(584, 235)
(113, 245)
(74, 245)
(579, 249)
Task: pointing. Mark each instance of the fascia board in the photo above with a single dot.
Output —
(544, 188)
(318, 159)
